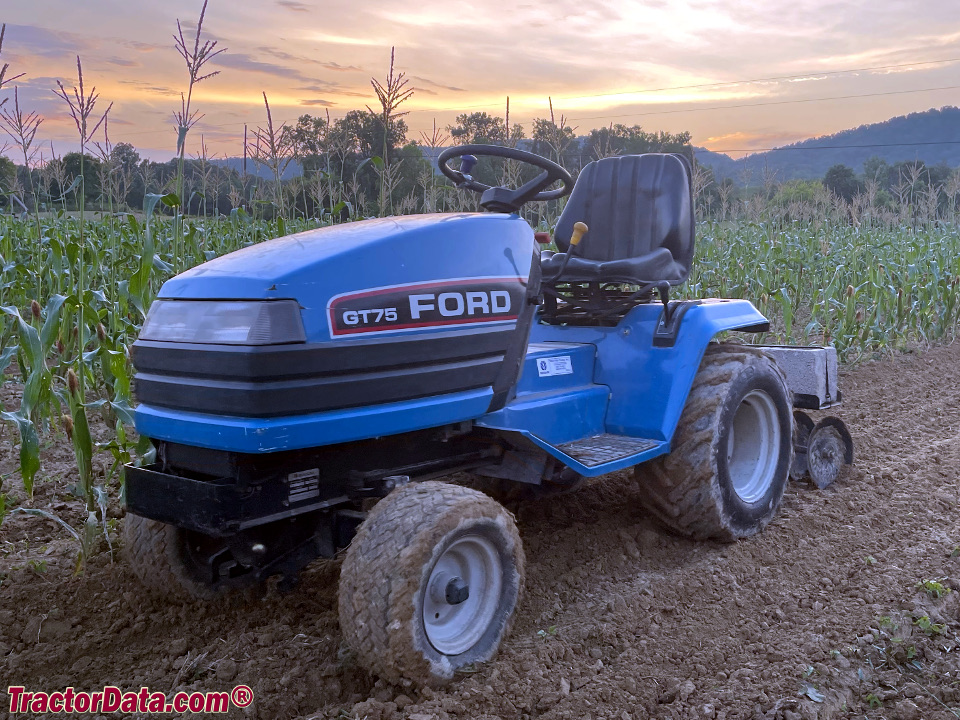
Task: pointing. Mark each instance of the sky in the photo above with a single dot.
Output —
(740, 75)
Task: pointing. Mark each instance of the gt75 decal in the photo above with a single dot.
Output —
(467, 301)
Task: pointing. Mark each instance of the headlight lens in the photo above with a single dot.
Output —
(224, 322)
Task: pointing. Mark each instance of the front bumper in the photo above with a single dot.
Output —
(221, 507)
(268, 435)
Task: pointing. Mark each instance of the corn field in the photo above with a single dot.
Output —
(73, 304)
(874, 275)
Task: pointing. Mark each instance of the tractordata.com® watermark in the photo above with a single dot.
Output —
(113, 699)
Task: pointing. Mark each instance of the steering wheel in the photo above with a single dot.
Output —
(503, 199)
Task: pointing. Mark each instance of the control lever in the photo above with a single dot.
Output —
(663, 290)
(579, 230)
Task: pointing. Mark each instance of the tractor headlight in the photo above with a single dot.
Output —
(224, 322)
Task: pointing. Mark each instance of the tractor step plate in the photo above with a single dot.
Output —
(602, 449)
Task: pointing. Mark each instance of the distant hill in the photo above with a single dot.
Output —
(260, 171)
(932, 136)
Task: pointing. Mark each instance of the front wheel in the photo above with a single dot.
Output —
(732, 449)
(430, 582)
(171, 562)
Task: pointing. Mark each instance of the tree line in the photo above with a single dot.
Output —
(344, 164)
(343, 169)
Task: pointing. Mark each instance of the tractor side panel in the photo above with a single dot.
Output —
(649, 385)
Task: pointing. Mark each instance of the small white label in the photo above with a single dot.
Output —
(548, 367)
(304, 484)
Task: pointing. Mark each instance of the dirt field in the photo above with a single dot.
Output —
(819, 617)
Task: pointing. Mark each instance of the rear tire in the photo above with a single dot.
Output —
(732, 449)
(160, 556)
(396, 608)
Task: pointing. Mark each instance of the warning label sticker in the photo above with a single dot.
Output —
(548, 367)
(304, 485)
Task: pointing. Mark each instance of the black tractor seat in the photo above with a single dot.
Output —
(634, 271)
(639, 211)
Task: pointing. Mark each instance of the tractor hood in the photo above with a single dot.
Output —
(342, 319)
(335, 266)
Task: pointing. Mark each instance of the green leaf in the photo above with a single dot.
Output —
(37, 512)
(51, 325)
(123, 411)
(150, 201)
(811, 692)
(6, 356)
(29, 337)
(82, 446)
(146, 451)
(29, 448)
(182, 131)
(132, 221)
(35, 389)
(69, 190)
(117, 362)
(170, 200)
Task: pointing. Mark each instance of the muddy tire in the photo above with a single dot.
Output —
(160, 557)
(430, 583)
(732, 450)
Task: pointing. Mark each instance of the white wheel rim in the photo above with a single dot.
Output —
(753, 446)
(453, 629)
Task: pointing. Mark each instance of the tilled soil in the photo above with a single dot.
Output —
(821, 616)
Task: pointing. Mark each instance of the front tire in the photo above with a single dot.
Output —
(167, 559)
(430, 582)
(732, 449)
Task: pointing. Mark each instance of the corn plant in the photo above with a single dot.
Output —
(391, 95)
(195, 60)
(274, 147)
(81, 105)
(37, 401)
(4, 80)
(22, 128)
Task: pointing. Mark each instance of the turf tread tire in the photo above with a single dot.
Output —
(152, 550)
(682, 489)
(388, 563)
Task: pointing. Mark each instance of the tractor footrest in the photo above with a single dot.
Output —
(606, 448)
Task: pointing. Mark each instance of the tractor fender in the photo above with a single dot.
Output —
(648, 398)
(648, 381)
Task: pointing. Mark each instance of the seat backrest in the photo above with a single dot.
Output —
(633, 205)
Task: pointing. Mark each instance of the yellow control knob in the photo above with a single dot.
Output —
(579, 229)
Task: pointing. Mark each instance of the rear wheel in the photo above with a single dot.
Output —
(732, 449)
(430, 582)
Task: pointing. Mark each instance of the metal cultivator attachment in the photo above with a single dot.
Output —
(820, 449)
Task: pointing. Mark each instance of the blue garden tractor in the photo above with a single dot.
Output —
(306, 394)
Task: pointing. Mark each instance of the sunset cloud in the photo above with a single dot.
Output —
(708, 66)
